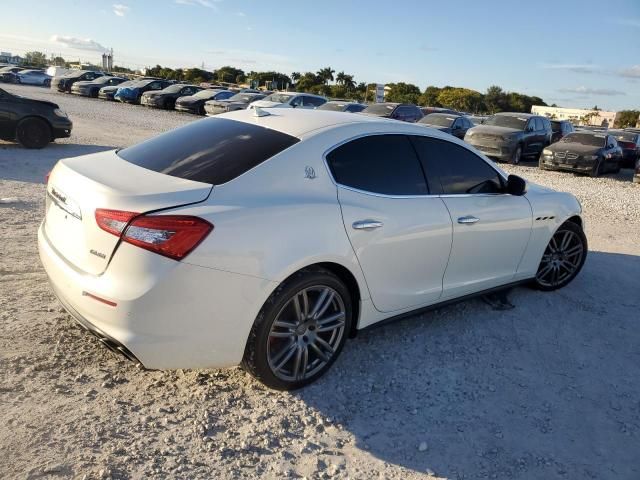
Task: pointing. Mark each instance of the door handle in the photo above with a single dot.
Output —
(366, 225)
(468, 220)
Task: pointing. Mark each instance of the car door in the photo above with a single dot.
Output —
(400, 234)
(7, 116)
(529, 137)
(491, 228)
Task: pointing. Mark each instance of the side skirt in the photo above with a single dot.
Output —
(445, 303)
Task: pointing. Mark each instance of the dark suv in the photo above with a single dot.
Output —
(560, 129)
(511, 136)
(405, 112)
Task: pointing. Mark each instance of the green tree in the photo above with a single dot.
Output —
(35, 59)
(627, 118)
(326, 74)
(295, 76)
(402, 92)
(462, 99)
(58, 61)
(227, 74)
(495, 99)
(430, 97)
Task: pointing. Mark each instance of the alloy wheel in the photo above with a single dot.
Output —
(306, 333)
(562, 258)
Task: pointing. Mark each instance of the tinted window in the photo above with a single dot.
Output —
(506, 121)
(313, 101)
(384, 164)
(459, 170)
(212, 150)
(355, 108)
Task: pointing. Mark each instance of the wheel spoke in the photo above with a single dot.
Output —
(566, 239)
(330, 323)
(574, 250)
(281, 334)
(323, 302)
(553, 245)
(568, 266)
(545, 271)
(302, 310)
(282, 324)
(319, 352)
(284, 356)
(297, 363)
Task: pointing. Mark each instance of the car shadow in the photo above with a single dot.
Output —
(547, 390)
(24, 165)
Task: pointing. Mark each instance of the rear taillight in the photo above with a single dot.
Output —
(46, 177)
(173, 236)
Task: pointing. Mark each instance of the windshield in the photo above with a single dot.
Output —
(438, 119)
(173, 88)
(279, 97)
(625, 136)
(242, 97)
(104, 79)
(206, 93)
(333, 106)
(506, 121)
(379, 109)
(590, 139)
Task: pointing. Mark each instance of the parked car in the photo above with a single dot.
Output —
(91, 88)
(166, 98)
(195, 103)
(629, 141)
(343, 106)
(239, 101)
(221, 201)
(33, 77)
(429, 110)
(66, 81)
(636, 176)
(9, 74)
(511, 136)
(107, 93)
(560, 128)
(290, 100)
(405, 112)
(456, 125)
(34, 123)
(133, 93)
(585, 152)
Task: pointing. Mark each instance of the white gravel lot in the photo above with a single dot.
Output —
(550, 389)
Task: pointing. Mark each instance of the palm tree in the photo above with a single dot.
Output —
(295, 76)
(348, 83)
(340, 78)
(326, 74)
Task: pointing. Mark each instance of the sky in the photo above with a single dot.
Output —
(572, 53)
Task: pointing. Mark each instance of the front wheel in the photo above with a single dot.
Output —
(300, 330)
(598, 168)
(562, 259)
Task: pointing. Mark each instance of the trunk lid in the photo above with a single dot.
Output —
(78, 186)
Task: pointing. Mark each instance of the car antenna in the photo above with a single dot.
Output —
(259, 112)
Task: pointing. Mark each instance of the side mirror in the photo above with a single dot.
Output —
(516, 185)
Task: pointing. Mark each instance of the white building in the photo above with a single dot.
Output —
(577, 116)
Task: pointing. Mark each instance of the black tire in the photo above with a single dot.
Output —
(580, 238)
(47, 83)
(33, 133)
(256, 355)
(517, 156)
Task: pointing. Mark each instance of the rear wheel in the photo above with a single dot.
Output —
(300, 330)
(33, 133)
(47, 83)
(563, 258)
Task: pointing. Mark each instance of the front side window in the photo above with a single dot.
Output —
(213, 150)
(313, 101)
(384, 164)
(454, 170)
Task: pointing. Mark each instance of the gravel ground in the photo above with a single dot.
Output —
(550, 389)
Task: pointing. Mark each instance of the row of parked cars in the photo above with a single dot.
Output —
(509, 137)
(13, 74)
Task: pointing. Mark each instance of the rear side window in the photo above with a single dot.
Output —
(385, 164)
(454, 170)
(213, 150)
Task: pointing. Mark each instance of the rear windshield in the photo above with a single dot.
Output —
(212, 150)
(590, 139)
(508, 121)
(379, 109)
(439, 119)
(625, 136)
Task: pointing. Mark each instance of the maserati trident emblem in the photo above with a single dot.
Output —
(309, 172)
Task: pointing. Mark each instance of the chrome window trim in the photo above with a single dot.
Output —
(384, 195)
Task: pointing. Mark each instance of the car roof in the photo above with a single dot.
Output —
(516, 114)
(443, 114)
(300, 122)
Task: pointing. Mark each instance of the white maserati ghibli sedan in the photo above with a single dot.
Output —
(267, 238)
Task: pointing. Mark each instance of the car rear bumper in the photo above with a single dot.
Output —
(176, 315)
(188, 108)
